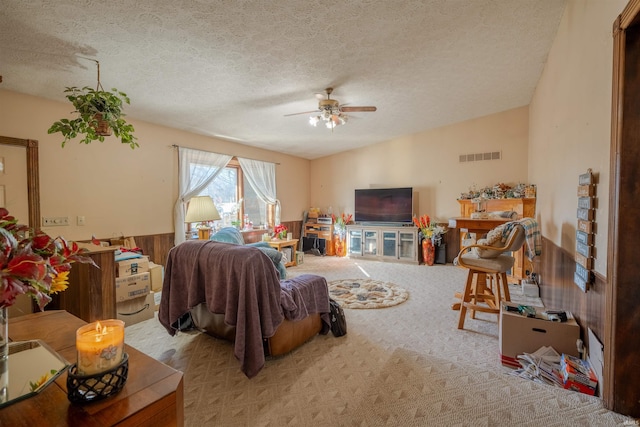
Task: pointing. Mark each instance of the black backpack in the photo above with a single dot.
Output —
(338, 321)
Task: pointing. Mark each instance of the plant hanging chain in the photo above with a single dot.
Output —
(99, 86)
(100, 114)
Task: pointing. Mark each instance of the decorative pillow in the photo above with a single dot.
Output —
(493, 238)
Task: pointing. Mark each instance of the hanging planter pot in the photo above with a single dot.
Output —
(99, 115)
(102, 126)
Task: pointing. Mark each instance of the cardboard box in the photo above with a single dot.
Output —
(129, 267)
(134, 286)
(136, 310)
(157, 276)
(520, 334)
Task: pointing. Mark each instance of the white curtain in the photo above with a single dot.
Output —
(196, 170)
(262, 178)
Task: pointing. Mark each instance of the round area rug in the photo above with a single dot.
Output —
(366, 293)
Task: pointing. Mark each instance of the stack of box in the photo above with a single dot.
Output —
(134, 298)
(578, 375)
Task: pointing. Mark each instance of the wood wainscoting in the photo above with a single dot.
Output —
(157, 246)
(557, 290)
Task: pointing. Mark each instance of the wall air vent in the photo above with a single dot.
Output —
(476, 157)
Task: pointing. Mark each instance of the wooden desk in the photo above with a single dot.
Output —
(279, 244)
(152, 396)
(477, 226)
(482, 226)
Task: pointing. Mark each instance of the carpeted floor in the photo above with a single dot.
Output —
(406, 365)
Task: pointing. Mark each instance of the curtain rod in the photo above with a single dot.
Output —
(257, 160)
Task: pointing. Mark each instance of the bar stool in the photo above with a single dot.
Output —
(487, 283)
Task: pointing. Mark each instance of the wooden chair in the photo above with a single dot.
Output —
(487, 283)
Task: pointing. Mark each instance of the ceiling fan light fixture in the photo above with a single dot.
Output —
(313, 120)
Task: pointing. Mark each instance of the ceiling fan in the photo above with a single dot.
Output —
(331, 112)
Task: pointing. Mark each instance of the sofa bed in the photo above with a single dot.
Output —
(234, 291)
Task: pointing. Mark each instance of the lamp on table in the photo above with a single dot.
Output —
(201, 209)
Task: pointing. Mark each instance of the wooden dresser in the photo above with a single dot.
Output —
(152, 396)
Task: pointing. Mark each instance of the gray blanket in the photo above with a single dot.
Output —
(242, 283)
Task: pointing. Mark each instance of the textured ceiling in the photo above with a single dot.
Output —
(232, 69)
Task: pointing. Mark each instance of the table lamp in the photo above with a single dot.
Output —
(201, 209)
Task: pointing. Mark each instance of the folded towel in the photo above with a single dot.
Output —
(533, 238)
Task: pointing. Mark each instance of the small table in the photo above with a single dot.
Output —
(152, 396)
(280, 244)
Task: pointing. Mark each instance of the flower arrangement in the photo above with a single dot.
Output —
(33, 263)
(500, 191)
(280, 232)
(430, 230)
(340, 223)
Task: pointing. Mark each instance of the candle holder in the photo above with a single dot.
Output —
(94, 387)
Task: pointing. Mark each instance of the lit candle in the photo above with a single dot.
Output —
(100, 346)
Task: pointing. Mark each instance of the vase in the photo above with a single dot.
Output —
(428, 251)
(4, 354)
(340, 245)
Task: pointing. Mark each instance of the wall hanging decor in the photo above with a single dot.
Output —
(99, 115)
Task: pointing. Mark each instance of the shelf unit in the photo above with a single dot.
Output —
(314, 229)
(383, 243)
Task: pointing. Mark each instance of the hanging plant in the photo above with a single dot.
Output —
(99, 115)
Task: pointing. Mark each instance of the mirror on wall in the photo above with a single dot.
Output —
(32, 178)
(25, 177)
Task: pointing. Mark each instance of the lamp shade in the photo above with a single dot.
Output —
(201, 209)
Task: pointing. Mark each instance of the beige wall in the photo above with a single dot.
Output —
(429, 163)
(570, 121)
(122, 191)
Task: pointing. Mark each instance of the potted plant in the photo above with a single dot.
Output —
(100, 114)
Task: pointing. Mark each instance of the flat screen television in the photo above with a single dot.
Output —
(384, 205)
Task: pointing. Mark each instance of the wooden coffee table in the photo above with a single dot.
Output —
(152, 396)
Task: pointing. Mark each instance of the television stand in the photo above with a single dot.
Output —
(384, 242)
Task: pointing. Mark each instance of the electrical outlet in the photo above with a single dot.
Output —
(55, 221)
(81, 220)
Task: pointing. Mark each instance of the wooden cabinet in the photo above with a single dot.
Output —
(91, 294)
(383, 243)
(320, 231)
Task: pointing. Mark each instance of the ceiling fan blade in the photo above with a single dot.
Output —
(304, 112)
(357, 109)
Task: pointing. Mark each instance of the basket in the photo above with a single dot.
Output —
(91, 388)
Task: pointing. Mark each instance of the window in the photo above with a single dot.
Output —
(236, 201)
